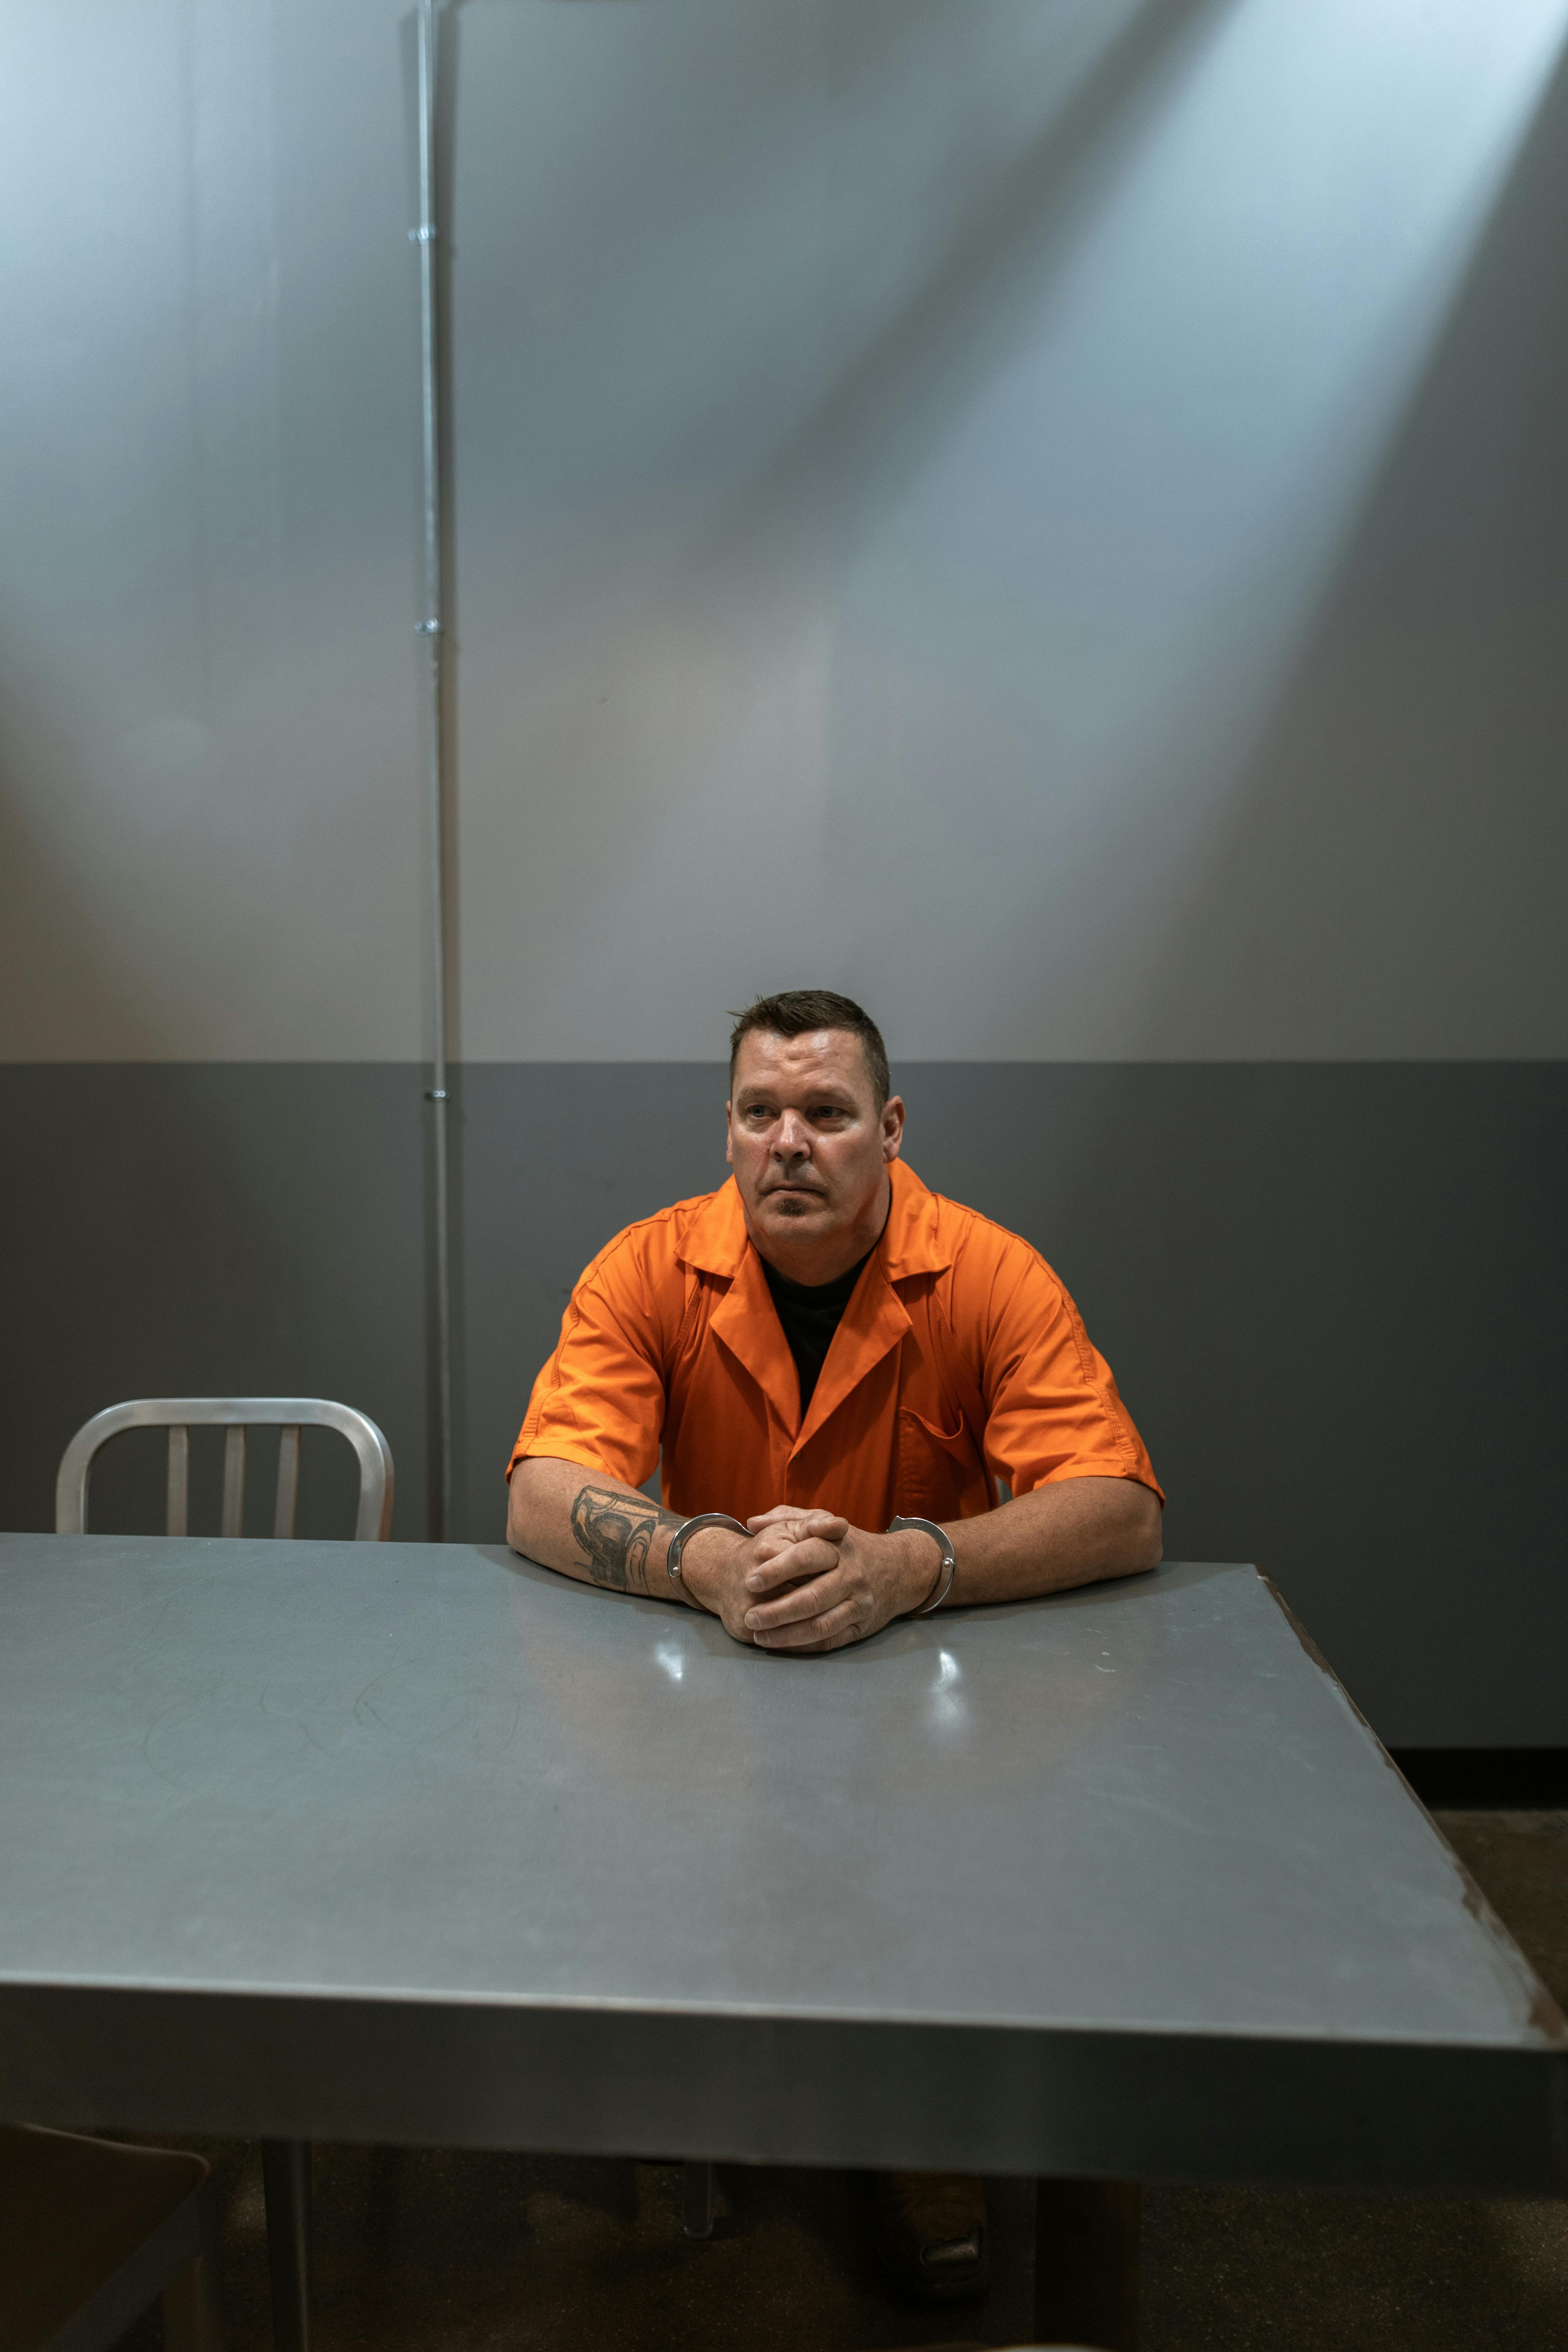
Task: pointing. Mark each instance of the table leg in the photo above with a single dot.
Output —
(286, 2176)
(1085, 2263)
(697, 2199)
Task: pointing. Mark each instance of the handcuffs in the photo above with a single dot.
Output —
(948, 1570)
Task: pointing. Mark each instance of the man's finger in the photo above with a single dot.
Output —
(829, 1631)
(786, 1533)
(796, 1565)
(811, 1527)
(806, 1596)
(774, 1543)
(809, 1522)
(792, 1563)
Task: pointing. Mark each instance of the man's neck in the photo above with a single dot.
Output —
(823, 1260)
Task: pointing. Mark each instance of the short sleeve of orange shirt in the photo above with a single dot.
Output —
(961, 1360)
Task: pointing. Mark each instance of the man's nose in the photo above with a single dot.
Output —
(792, 1138)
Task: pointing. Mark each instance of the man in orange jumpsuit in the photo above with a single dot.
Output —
(817, 1347)
(832, 1368)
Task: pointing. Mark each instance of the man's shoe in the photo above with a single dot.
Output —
(931, 2233)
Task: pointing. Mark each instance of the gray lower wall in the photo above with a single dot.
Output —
(1333, 1296)
(207, 1229)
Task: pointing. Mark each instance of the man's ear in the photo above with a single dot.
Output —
(892, 1127)
(729, 1147)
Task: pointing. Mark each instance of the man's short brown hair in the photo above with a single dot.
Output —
(800, 1012)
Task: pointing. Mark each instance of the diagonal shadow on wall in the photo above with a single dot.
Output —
(1406, 790)
(646, 702)
(897, 392)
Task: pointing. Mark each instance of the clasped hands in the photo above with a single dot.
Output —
(805, 1580)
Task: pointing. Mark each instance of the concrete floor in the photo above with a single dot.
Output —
(426, 2251)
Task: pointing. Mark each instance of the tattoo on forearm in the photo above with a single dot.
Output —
(616, 1531)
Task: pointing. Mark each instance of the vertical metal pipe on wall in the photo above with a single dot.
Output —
(426, 240)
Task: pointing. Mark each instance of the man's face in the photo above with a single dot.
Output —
(810, 1148)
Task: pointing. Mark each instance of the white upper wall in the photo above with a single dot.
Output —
(1051, 515)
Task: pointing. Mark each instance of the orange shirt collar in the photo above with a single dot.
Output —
(717, 1241)
(746, 1324)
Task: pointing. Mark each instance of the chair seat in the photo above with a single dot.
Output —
(74, 2213)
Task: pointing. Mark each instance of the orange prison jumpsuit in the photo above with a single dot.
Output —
(959, 1359)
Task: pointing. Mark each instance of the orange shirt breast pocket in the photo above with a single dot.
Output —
(941, 1473)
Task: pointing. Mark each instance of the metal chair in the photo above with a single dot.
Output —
(179, 1415)
(286, 2164)
(93, 2232)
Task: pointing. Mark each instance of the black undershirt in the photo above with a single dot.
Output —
(810, 1312)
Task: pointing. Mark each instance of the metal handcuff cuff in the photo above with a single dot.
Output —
(895, 1527)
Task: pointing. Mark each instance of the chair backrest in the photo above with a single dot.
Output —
(178, 1416)
(94, 2231)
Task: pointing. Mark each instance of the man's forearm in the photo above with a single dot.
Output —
(589, 1526)
(1072, 1533)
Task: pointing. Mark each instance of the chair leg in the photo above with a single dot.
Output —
(191, 2321)
(286, 2176)
(1085, 2263)
(697, 2199)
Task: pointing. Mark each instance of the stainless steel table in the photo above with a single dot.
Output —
(422, 1844)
